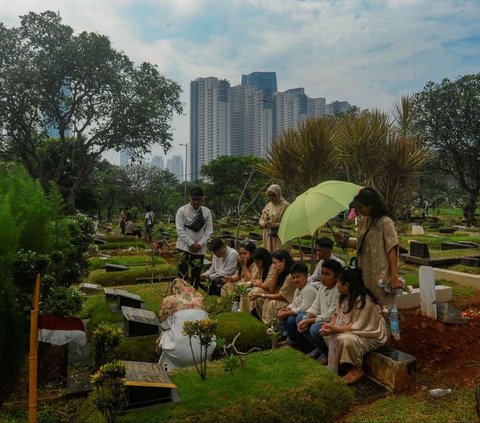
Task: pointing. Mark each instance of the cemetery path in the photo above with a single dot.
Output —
(446, 354)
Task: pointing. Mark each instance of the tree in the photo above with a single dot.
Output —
(77, 85)
(448, 121)
(231, 176)
(301, 159)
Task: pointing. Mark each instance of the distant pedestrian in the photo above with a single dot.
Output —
(149, 222)
(121, 221)
(194, 227)
(426, 207)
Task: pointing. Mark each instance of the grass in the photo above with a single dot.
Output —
(145, 259)
(285, 386)
(121, 244)
(420, 407)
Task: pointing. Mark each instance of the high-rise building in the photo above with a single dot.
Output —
(262, 81)
(124, 158)
(175, 166)
(291, 106)
(316, 107)
(336, 107)
(209, 122)
(157, 161)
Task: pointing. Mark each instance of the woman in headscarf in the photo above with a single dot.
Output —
(271, 217)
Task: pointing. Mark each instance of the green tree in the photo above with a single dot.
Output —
(448, 121)
(231, 176)
(301, 159)
(52, 79)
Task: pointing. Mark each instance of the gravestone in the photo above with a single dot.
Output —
(90, 288)
(123, 297)
(98, 241)
(417, 230)
(109, 267)
(147, 384)
(470, 261)
(138, 322)
(419, 249)
(447, 230)
(428, 297)
(448, 314)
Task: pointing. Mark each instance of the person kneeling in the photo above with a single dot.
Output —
(356, 327)
(224, 263)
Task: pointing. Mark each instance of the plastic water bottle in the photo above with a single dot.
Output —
(438, 393)
(394, 323)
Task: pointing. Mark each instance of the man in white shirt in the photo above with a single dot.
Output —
(323, 250)
(224, 263)
(194, 226)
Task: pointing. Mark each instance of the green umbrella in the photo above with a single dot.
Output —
(315, 207)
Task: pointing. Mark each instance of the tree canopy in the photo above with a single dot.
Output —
(82, 90)
(448, 121)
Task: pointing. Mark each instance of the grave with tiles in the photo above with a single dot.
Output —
(123, 298)
(139, 322)
(147, 384)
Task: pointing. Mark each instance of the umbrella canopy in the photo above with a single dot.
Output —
(315, 207)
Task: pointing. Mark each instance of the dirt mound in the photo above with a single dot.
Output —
(449, 353)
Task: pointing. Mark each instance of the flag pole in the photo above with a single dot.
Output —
(33, 357)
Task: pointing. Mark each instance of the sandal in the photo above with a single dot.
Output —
(353, 376)
(322, 359)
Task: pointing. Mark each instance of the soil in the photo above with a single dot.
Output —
(445, 353)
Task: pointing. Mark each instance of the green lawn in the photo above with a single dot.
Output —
(285, 386)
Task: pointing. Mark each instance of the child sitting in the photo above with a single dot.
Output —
(305, 330)
(356, 327)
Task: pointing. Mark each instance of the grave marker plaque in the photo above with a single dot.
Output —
(139, 322)
(109, 267)
(124, 298)
(419, 249)
(428, 295)
(147, 384)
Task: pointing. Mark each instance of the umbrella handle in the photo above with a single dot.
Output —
(344, 247)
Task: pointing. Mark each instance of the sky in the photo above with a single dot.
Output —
(367, 52)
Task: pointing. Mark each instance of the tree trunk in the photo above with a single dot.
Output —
(71, 198)
(470, 208)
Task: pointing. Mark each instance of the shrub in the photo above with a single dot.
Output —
(108, 388)
(129, 277)
(138, 348)
(63, 302)
(105, 341)
(252, 331)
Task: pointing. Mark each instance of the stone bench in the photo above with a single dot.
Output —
(393, 369)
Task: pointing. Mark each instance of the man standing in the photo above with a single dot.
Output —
(194, 227)
(121, 220)
(149, 222)
(224, 263)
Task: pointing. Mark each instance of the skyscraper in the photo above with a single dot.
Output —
(336, 107)
(157, 161)
(209, 122)
(291, 106)
(124, 158)
(262, 81)
(175, 166)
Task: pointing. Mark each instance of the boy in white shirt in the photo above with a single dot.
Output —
(323, 250)
(306, 331)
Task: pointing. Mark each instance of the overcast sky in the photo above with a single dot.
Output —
(365, 52)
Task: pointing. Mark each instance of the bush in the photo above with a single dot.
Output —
(138, 348)
(63, 302)
(108, 389)
(105, 341)
(252, 331)
(101, 313)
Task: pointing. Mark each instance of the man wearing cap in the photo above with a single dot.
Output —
(224, 263)
(194, 227)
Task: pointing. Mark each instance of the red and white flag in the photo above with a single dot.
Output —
(58, 330)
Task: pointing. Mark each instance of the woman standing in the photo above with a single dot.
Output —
(376, 243)
(271, 217)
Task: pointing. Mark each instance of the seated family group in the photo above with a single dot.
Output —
(331, 315)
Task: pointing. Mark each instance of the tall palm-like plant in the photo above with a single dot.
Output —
(301, 159)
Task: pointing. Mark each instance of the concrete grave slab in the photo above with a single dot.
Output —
(443, 294)
(428, 298)
(138, 322)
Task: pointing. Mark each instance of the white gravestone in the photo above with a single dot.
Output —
(417, 230)
(428, 297)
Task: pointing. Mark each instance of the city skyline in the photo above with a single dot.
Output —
(366, 52)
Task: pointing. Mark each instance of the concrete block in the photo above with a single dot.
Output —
(447, 313)
(412, 300)
(391, 368)
(417, 230)
(428, 296)
(90, 288)
(463, 279)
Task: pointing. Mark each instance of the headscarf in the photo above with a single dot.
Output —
(277, 191)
